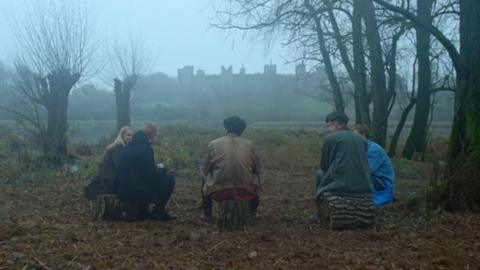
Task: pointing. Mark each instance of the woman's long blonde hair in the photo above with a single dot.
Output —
(119, 139)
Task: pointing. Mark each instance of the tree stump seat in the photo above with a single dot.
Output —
(109, 207)
(233, 215)
(346, 212)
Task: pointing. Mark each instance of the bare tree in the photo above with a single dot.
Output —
(362, 100)
(378, 79)
(330, 32)
(355, 69)
(126, 64)
(411, 97)
(460, 191)
(55, 44)
(314, 15)
(5, 81)
(300, 21)
(416, 139)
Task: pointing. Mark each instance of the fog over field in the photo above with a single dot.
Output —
(175, 33)
(191, 62)
(239, 134)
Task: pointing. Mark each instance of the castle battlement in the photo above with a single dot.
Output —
(227, 81)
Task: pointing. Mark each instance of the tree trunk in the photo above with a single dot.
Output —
(398, 130)
(57, 128)
(379, 91)
(346, 212)
(357, 74)
(463, 183)
(416, 141)
(122, 101)
(233, 215)
(56, 103)
(362, 101)
(332, 79)
(392, 69)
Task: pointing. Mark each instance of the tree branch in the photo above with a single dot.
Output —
(449, 46)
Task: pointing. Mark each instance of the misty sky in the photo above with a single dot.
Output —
(176, 32)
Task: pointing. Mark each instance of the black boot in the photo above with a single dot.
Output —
(161, 214)
(207, 205)
(143, 211)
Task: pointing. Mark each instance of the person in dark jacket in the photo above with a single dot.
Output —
(138, 180)
(103, 181)
(344, 165)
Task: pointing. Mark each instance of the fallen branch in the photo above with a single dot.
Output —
(176, 203)
(216, 245)
(40, 263)
(278, 260)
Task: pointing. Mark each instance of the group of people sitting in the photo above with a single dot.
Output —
(353, 165)
(129, 171)
(350, 164)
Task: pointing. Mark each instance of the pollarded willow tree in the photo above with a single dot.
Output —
(126, 64)
(55, 43)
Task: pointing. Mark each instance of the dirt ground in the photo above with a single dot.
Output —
(46, 225)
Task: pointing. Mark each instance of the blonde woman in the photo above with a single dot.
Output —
(103, 181)
(139, 181)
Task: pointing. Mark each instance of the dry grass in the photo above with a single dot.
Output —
(45, 223)
(50, 229)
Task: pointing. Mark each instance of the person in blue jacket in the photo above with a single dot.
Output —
(381, 170)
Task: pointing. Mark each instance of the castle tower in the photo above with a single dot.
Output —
(300, 70)
(242, 70)
(200, 72)
(226, 79)
(185, 78)
(270, 69)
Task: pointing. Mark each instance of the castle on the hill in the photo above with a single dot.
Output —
(228, 83)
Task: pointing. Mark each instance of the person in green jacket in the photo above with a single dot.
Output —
(344, 165)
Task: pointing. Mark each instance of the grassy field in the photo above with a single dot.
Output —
(95, 130)
(45, 221)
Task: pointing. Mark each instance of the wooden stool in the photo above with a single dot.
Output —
(346, 212)
(109, 207)
(230, 215)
